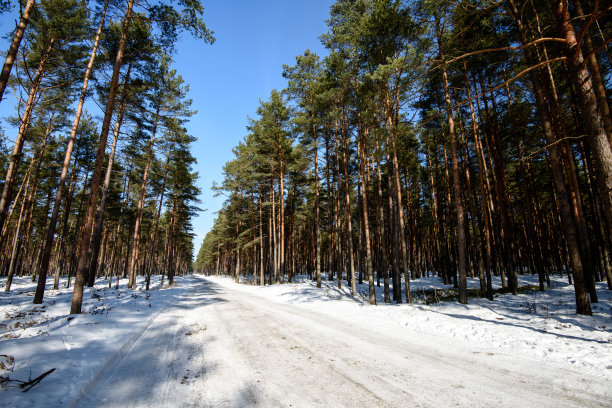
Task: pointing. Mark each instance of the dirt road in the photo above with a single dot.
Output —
(220, 347)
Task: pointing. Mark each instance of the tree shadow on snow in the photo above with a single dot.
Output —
(514, 324)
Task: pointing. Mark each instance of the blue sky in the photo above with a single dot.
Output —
(227, 79)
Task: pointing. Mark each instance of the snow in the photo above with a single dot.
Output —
(42, 337)
(542, 325)
(208, 341)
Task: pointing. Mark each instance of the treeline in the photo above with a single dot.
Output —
(87, 196)
(455, 138)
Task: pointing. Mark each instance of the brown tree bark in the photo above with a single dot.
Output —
(582, 299)
(399, 210)
(97, 229)
(598, 83)
(16, 239)
(262, 280)
(23, 127)
(347, 213)
(383, 263)
(150, 255)
(44, 265)
(483, 192)
(83, 260)
(14, 47)
(366, 222)
(140, 207)
(461, 241)
(587, 100)
(281, 214)
(317, 205)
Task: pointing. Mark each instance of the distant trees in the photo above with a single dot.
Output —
(96, 223)
(437, 137)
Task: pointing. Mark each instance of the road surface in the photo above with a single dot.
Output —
(220, 347)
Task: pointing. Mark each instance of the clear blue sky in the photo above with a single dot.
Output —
(227, 79)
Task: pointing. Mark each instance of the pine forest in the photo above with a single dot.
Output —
(449, 138)
(306, 203)
(70, 206)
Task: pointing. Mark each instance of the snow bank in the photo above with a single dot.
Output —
(79, 347)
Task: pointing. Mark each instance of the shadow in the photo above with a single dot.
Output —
(112, 332)
(502, 323)
(162, 359)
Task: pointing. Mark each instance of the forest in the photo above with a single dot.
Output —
(74, 202)
(438, 137)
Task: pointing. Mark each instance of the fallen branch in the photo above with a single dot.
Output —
(26, 384)
(31, 383)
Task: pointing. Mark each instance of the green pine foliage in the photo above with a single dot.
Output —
(369, 147)
(152, 101)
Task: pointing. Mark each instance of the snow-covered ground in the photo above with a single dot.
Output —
(211, 342)
(542, 325)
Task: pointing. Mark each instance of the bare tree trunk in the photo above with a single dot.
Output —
(14, 47)
(337, 221)
(461, 244)
(16, 239)
(83, 260)
(598, 83)
(483, 192)
(237, 270)
(582, 299)
(347, 214)
(97, 230)
(281, 214)
(383, 263)
(588, 103)
(170, 256)
(397, 192)
(330, 216)
(40, 288)
(262, 280)
(64, 227)
(151, 252)
(25, 124)
(140, 206)
(44, 266)
(317, 210)
(275, 244)
(366, 221)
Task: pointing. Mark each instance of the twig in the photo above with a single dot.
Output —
(26, 384)
(32, 383)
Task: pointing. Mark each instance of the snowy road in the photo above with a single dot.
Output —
(222, 347)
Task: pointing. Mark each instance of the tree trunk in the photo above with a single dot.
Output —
(347, 214)
(281, 214)
(14, 47)
(262, 280)
(153, 246)
(83, 260)
(461, 241)
(25, 124)
(582, 299)
(483, 192)
(16, 239)
(366, 223)
(598, 84)
(317, 211)
(587, 100)
(140, 206)
(383, 263)
(97, 230)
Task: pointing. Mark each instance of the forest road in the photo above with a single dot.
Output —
(221, 347)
